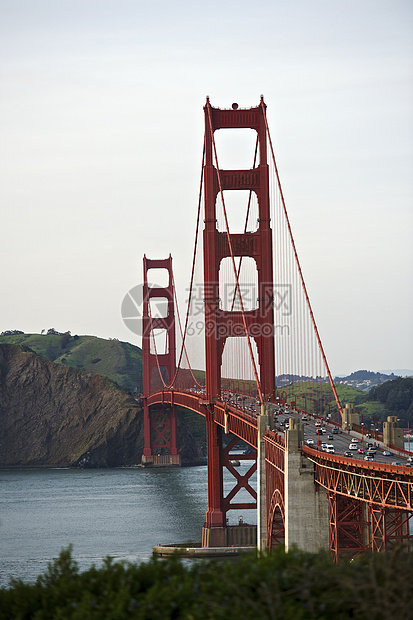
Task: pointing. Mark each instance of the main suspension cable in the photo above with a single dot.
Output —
(185, 331)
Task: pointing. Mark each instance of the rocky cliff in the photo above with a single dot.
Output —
(55, 416)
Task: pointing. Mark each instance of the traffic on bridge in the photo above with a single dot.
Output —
(322, 433)
(330, 438)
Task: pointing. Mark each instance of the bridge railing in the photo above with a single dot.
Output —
(400, 451)
(367, 432)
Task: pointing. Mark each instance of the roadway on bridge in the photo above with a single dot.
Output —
(330, 433)
(341, 440)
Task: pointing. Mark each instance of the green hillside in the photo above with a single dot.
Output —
(396, 399)
(120, 361)
(392, 398)
(349, 394)
(314, 398)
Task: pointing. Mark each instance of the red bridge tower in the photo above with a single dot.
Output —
(158, 370)
(259, 322)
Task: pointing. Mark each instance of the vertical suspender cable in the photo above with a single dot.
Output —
(299, 266)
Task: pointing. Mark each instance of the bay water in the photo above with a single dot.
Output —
(121, 512)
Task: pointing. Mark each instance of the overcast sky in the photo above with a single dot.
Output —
(101, 143)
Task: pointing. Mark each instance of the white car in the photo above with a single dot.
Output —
(310, 442)
(353, 446)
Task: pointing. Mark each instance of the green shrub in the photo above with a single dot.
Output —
(293, 586)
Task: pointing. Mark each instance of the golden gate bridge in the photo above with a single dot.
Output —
(251, 330)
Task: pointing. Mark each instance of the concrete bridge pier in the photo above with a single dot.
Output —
(392, 434)
(350, 417)
(306, 504)
(263, 422)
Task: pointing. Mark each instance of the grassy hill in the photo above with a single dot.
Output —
(346, 394)
(396, 399)
(120, 361)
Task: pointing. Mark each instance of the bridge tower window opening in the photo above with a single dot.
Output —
(242, 211)
(159, 343)
(158, 307)
(248, 280)
(236, 147)
(238, 382)
(158, 278)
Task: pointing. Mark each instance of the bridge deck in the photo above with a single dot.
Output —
(242, 422)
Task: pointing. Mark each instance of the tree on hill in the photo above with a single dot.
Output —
(367, 374)
(53, 332)
(64, 339)
(397, 396)
(363, 375)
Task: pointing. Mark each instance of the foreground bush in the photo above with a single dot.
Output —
(294, 586)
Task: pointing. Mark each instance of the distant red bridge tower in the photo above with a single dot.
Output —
(158, 370)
